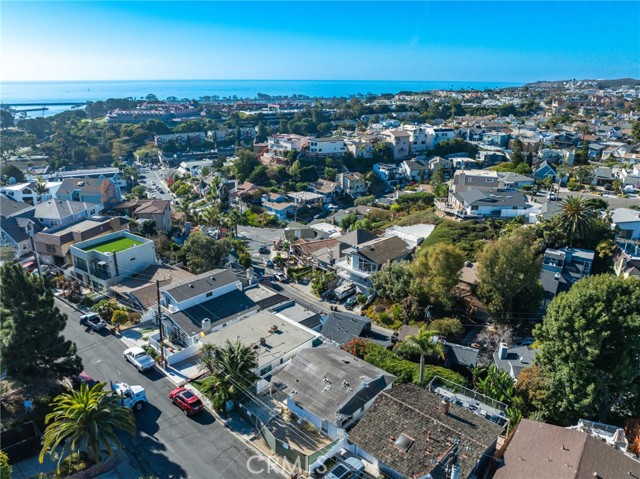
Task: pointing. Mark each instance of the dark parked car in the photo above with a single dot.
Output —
(83, 378)
(92, 321)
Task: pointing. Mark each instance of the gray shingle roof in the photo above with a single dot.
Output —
(88, 186)
(9, 207)
(202, 283)
(357, 237)
(458, 436)
(327, 381)
(59, 209)
(17, 228)
(343, 327)
(495, 199)
(381, 250)
(459, 354)
(219, 310)
(516, 360)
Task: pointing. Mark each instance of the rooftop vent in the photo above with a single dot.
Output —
(80, 183)
(403, 442)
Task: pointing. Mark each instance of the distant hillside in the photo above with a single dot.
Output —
(596, 83)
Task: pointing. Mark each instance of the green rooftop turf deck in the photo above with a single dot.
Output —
(116, 245)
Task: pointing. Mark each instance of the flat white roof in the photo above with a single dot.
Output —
(256, 326)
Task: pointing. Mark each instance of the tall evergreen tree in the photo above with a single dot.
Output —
(31, 343)
(590, 351)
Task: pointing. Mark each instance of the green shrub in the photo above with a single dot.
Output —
(406, 371)
(119, 317)
(105, 309)
(384, 318)
(446, 326)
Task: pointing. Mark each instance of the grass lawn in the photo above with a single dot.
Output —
(115, 245)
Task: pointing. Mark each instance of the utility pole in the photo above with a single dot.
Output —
(159, 318)
(33, 246)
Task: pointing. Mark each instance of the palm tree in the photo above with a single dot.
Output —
(576, 218)
(185, 208)
(208, 358)
(232, 221)
(423, 344)
(232, 371)
(85, 420)
(238, 361)
(40, 187)
(219, 390)
(209, 216)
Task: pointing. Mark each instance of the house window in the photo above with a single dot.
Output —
(80, 263)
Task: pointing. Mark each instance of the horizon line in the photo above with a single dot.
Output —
(263, 79)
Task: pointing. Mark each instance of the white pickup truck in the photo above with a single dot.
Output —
(133, 397)
(139, 358)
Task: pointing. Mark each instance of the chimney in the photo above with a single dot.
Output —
(444, 406)
(503, 351)
(115, 262)
(206, 325)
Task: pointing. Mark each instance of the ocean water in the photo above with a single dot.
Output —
(81, 91)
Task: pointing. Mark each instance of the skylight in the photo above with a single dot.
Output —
(403, 442)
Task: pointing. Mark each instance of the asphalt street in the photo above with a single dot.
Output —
(168, 443)
(158, 176)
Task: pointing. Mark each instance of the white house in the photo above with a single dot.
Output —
(201, 288)
(389, 173)
(475, 203)
(360, 147)
(23, 192)
(399, 142)
(279, 144)
(327, 147)
(478, 180)
(437, 134)
(274, 339)
(352, 184)
(628, 221)
(106, 260)
(360, 262)
(412, 235)
(329, 388)
(63, 212)
(417, 139)
(415, 170)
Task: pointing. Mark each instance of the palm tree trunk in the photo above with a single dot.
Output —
(421, 369)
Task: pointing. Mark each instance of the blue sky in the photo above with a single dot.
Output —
(450, 41)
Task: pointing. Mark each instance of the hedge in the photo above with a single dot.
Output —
(406, 371)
